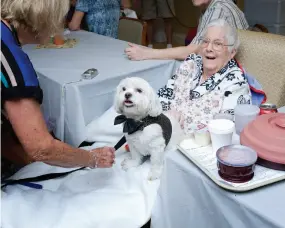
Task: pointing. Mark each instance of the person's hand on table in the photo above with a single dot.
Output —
(135, 52)
(102, 157)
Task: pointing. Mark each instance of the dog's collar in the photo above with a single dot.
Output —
(131, 126)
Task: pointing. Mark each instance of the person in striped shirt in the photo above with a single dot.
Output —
(210, 11)
(24, 135)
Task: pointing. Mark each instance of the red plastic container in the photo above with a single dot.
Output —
(266, 135)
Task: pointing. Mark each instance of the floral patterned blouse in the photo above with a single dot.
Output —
(198, 100)
(102, 16)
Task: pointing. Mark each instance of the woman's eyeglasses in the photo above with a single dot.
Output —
(217, 45)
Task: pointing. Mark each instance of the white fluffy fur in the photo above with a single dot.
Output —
(150, 141)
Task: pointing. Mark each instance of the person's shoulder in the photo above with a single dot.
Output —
(236, 69)
(193, 57)
(229, 11)
(18, 77)
(224, 5)
(215, 3)
(16, 63)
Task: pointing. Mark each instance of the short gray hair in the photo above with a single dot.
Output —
(231, 32)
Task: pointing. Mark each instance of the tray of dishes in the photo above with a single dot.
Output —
(232, 167)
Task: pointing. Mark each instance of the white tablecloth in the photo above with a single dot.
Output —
(97, 198)
(101, 198)
(71, 103)
(188, 198)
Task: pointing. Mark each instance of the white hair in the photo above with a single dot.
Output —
(231, 33)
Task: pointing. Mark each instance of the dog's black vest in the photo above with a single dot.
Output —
(131, 126)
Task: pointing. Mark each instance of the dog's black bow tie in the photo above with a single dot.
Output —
(130, 125)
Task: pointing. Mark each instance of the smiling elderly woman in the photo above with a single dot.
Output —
(210, 82)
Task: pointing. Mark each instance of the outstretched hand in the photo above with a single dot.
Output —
(135, 52)
(102, 157)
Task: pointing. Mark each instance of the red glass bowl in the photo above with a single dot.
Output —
(236, 163)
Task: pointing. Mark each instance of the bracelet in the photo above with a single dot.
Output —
(93, 163)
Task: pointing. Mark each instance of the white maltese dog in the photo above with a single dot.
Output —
(147, 130)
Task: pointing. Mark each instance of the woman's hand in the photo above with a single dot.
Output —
(102, 157)
(135, 52)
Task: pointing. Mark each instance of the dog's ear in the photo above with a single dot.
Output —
(117, 104)
(155, 107)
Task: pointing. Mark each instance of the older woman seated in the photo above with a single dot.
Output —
(210, 82)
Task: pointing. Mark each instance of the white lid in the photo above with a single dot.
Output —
(226, 116)
(246, 110)
(221, 126)
(236, 155)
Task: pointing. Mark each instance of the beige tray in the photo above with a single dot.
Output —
(68, 43)
(205, 159)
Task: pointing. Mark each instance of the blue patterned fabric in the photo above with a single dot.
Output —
(257, 95)
(102, 16)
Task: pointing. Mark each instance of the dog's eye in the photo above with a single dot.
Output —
(139, 90)
(124, 89)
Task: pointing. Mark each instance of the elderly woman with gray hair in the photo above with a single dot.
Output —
(208, 83)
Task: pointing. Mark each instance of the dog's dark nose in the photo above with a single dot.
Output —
(128, 95)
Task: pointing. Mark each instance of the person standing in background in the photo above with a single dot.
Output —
(69, 16)
(210, 10)
(102, 16)
(153, 9)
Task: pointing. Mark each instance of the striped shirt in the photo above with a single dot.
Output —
(221, 9)
(18, 77)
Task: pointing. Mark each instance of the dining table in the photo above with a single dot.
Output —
(71, 101)
(187, 197)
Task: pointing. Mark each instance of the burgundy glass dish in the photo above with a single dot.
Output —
(236, 163)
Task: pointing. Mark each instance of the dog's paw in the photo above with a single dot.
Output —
(129, 163)
(154, 174)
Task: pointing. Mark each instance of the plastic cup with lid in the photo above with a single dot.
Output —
(244, 114)
(225, 116)
(221, 132)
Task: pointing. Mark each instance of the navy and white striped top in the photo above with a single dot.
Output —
(221, 9)
(18, 77)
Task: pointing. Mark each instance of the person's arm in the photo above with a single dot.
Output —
(135, 52)
(73, 3)
(28, 123)
(76, 20)
(126, 4)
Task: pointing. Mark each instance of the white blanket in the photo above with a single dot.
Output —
(88, 198)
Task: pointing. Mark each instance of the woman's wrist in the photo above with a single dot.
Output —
(92, 160)
(150, 53)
